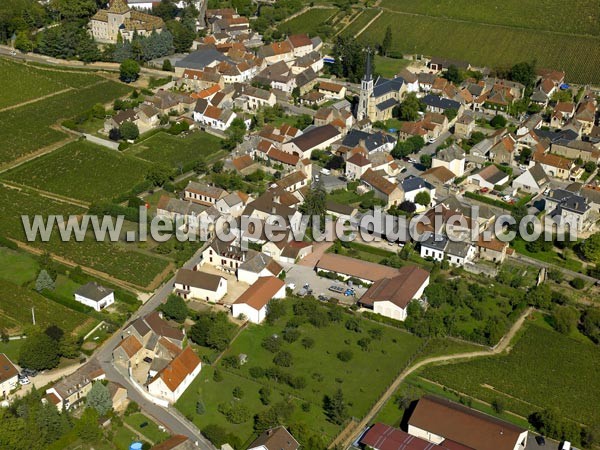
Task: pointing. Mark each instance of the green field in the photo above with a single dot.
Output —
(11, 348)
(308, 22)
(578, 17)
(388, 67)
(176, 151)
(18, 268)
(360, 22)
(83, 171)
(490, 45)
(382, 360)
(15, 310)
(24, 83)
(27, 128)
(544, 369)
(120, 260)
(150, 431)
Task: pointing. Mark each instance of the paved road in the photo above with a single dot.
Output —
(169, 417)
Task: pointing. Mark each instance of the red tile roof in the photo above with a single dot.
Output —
(261, 292)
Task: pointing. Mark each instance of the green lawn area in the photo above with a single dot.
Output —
(544, 370)
(309, 22)
(83, 171)
(17, 267)
(551, 256)
(150, 431)
(15, 310)
(388, 67)
(323, 372)
(490, 45)
(123, 437)
(176, 151)
(123, 261)
(11, 349)
(24, 82)
(27, 128)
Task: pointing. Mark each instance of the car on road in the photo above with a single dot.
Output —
(412, 160)
(540, 440)
(431, 140)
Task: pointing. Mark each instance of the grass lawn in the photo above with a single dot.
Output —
(309, 22)
(27, 128)
(123, 437)
(150, 431)
(551, 256)
(11, 349)
(388, 67)
(176, 151)
(83, 171)
(17, 267)
(15, 310)
(544, 370)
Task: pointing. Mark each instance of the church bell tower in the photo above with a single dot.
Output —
(366, 90)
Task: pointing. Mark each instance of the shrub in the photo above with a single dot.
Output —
(345, 355)
(577, 283)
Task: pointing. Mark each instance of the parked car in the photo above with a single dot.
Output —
(540, 440)
(336, 288)
(23, 379)
(349, 293)
(29, 372)
(292, 286)
(566, 446)
(323, 298)
(484, 190)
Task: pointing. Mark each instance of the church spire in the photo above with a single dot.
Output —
(368, 70)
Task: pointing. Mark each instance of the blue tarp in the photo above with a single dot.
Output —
(564, 86)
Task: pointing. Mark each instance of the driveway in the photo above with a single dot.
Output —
(300, 275)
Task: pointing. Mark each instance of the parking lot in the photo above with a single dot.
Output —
(300, 275)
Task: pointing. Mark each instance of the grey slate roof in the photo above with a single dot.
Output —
(436, 242)
(383, 86)
(372, 141)
(436, 101)
(202, 58)
(389, 103)
(93, 291)
(412, 183)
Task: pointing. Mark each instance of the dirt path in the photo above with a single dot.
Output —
(362, 30)
(50, 195)
(503, 345)
(28, 102)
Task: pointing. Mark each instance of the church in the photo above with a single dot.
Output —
(106, 25)
(378, 97)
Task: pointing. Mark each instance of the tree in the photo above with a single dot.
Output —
(426, 160)
(235, 133)
(314, 202)
(590, 248)
(129, 71)
(345, 355)
(524, 73)
(451, 114)
(167, 66)
(74, 9)
(498, 405)
(44, 281)
(335, 408)
(453, 75)
(158, 174)
(407, 206)
(99, 398)
(23, 43)
(386, 44)
(275, 310)
(39, 352)
(410, 107)
(283, 359)
(423, 198)
(183, 36)
(129, 131)
(349, 59)
(212, 330)
(55, 333)
(87, 428)
(265, 395)
(498, 121)
(564, 319)
(175, 308)
(238, 392)
(525, 155)
(590, 324)
(68, 347)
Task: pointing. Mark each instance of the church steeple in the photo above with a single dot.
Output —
(366, 89)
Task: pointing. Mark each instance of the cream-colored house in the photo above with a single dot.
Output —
(194, 284)
(253, 303)
(106, 25)
(9, 378)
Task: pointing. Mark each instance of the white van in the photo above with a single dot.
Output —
(325, 171)
(566, 446)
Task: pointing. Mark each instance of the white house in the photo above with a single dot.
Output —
(390, 296)
(452, 158)
(413, 186)
(213, 116)
(488, 177)
(8, 375)
(172, 381)
(459, 253)
(253, 303)
(95, 296)
(260, 265)
(434, 247)
(532, 181)
(194, 284)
